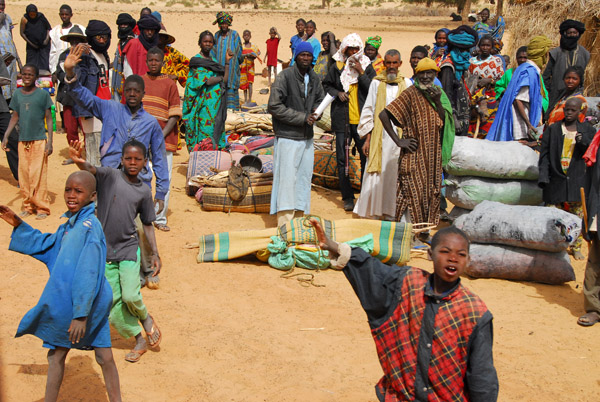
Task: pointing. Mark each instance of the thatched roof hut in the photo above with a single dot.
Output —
(528, 18)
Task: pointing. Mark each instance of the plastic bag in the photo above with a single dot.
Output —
(467, 192)
(519, 264)
(538, 228)
(493, 159)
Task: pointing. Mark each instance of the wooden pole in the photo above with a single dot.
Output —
(466, 11)
(499, 7)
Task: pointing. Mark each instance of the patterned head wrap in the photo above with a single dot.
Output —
(223, 18)
(537, 50)
(374, 41)
(426, 64)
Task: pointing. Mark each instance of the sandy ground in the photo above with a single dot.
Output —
(236, 331)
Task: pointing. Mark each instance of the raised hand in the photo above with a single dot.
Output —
(9, 216)
(74, 56)
(76, 150)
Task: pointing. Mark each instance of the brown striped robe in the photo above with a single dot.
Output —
(419, 173)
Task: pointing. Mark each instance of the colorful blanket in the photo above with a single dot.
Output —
(392, 240)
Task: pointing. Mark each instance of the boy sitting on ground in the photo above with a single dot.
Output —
(122, 195)
(73, 309)
(433, 336)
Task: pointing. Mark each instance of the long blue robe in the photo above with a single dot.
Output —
(76, 258)
(232, 42)
(526, 75)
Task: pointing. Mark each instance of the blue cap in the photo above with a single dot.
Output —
(304, 47)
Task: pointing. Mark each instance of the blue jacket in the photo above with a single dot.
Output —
(118, 126)
(76, 258)
(88, 75)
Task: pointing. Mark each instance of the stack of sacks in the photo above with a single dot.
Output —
(481, 170)
(524, 243)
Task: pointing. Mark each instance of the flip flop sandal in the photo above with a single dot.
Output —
(41, 216)
(151, 334)
(588, 323)
(25, 214)
(134, 355)
(152, 282)
(162, 227)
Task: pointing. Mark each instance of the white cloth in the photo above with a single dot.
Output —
(292, 173)
(58, 46)
(377, 198)
(349, 76)
(519, 125)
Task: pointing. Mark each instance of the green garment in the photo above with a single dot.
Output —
(449, 131)
(31, 109)
(128, 308)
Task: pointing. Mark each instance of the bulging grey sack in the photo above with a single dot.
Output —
(493, 159)
(538, 228)
(467, 192)
(519, 264)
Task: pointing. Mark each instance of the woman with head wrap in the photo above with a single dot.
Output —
(136, 49)
(486, 69)
(573, 80)
(35, 30)
(125, 26)
(229, 40)
(348, 81)
(423, 112)
(522, 104)
(568, 54)
(452, 71)
(372, 45)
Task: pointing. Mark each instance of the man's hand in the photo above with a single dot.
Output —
(355, 65)
(367, 145)
(155, 264)
(5, 143)
(311, 118)
(228, 56)
(434, 92)
(48, 150)
(159, 205)
(409, 144)
(76, 151)
(74, 57)
(9, 216)
(343, 96)
(77, 329)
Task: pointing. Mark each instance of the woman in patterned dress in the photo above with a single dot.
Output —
(204, 103)
(485, 69)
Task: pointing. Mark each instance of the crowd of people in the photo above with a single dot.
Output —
(403, 128)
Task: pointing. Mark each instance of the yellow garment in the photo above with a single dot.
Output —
(353, 109)
(568, 147)
(374, 164)
(426, 64)
(537, 50)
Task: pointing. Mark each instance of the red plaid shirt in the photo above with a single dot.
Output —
(397, 342)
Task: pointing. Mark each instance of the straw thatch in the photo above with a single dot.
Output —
(528, 18)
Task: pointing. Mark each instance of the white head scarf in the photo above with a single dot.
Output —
(349, 75)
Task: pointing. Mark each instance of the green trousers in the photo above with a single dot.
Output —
(128, 308)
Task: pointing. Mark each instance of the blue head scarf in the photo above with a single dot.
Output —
(461, 40)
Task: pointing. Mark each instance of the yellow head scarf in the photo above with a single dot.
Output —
(426, 64)
(537, 50)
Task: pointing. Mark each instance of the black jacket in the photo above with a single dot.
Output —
(333, 85)
(559, 187)
(288, 105)
(61, 93)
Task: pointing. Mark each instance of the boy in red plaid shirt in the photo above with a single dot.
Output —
(433, 336)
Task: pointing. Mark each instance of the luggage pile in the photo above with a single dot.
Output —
(481, 170)
(524, 243)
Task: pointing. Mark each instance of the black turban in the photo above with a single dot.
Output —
(568, 24)
(126, 19)
(96, 27)
(148, 22)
